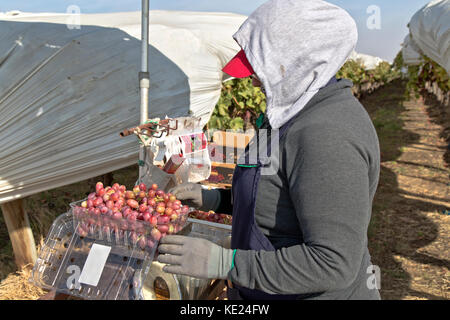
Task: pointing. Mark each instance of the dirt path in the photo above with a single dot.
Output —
(409, 236)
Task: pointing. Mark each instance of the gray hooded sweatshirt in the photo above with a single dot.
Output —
(316, 208)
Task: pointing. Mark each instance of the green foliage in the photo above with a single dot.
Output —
(357, 72)
(428, 71)
(398, 61)
(239, 105)
(384, 73)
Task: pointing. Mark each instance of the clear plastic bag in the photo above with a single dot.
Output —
(149, 173)
(187, 142)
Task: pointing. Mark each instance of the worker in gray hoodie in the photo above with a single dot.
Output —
(300, 213)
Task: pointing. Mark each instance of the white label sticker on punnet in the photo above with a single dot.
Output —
(95, 262)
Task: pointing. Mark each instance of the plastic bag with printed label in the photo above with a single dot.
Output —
(178, 156)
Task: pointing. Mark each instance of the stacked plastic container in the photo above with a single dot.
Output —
(97, 257)
(181, 286)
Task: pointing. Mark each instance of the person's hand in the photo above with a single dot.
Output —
(195, 257)
(196, 196)
(190, 192)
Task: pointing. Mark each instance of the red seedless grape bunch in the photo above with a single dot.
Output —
(142, 215)
(211, 216)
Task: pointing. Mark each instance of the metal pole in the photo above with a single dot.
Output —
(144, 78)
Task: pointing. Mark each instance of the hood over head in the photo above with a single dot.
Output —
(295, 47)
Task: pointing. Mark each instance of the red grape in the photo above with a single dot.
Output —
(153, 221)
(82, 232)
(142, 194)
(163, 228)
(142, 242)
(120, 202)
(147, 216)
(98, 201)
(150, 243)
(155, 186)
(135, 213)
(133, 237)
(160, 209)
(104, 209)
(98, 186)
(116, 186)
(151, 202)
(105, 229)
(143, 207)
(160, 193)
(151, 193)
(156, 234)
(117, 216)
(161, 204)
(126, 211)
(130, 195)
(143, 187)
(184, 209)
(92, 196)
(110, 204)
(115, 196)
(136, 190)
(163, 219)
(133, 203)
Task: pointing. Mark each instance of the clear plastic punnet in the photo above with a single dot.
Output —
(123, 231)
(97, 257)
(193, 288)
(159, 285)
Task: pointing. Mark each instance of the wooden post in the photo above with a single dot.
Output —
(19, 232)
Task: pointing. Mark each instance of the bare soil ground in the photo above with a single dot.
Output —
(409, 235)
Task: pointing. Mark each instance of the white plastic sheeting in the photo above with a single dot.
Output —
(370, 62)
(430, 32)
(412, 55)
(65, 93)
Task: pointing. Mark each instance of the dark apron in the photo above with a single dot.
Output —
(245, 233)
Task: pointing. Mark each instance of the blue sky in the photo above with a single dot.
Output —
(384, 42)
